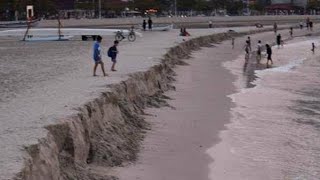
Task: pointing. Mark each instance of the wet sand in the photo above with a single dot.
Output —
(178, 144)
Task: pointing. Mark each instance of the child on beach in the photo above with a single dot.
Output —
(313, 48)
(97, 56)
(112, 53)
(232, 42)
(269, 53)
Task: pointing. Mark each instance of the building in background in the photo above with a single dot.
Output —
(286, 7)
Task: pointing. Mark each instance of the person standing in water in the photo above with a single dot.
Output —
(249, 43)
(279, 40)
(311, 25)
(259, 49)
(269, 54)
(150, 23)
(97, 56)
(232, 42)
(275, 28)
(313, 48)
(301, 25)
(247, 50)
(291, 32)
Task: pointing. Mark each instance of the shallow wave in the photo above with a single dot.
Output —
(275, 127)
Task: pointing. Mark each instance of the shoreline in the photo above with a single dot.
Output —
(229, 151)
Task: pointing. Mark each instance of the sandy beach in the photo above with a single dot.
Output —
(49, 93)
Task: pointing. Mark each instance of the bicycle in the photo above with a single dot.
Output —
(131, 36)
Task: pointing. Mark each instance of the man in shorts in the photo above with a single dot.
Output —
(112, 53)
(97, 56)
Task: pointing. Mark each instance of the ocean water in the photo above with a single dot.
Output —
(275, 127)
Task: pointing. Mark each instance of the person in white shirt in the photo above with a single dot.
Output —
(259, 49)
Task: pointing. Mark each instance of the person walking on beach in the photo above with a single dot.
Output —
(150, 23)
(291, 32)
(249, 42)
(112, 53)
(144, 24)
(311, 25)
(275, 28)
(232, 42)
(97, 56)
(247, 50)
(313, 48)
(269, 54)
(259, 49)
(279, 40)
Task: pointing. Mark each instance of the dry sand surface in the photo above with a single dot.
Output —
(37, 103)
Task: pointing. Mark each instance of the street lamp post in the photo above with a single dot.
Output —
(175, 7)
(99, 9)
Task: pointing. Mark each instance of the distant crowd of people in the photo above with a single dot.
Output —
(279, 43)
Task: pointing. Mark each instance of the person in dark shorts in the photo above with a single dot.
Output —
(275, 28)
(269, 54)
(97, 56)
(313, 48)
(279, 40)
(112, 53)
